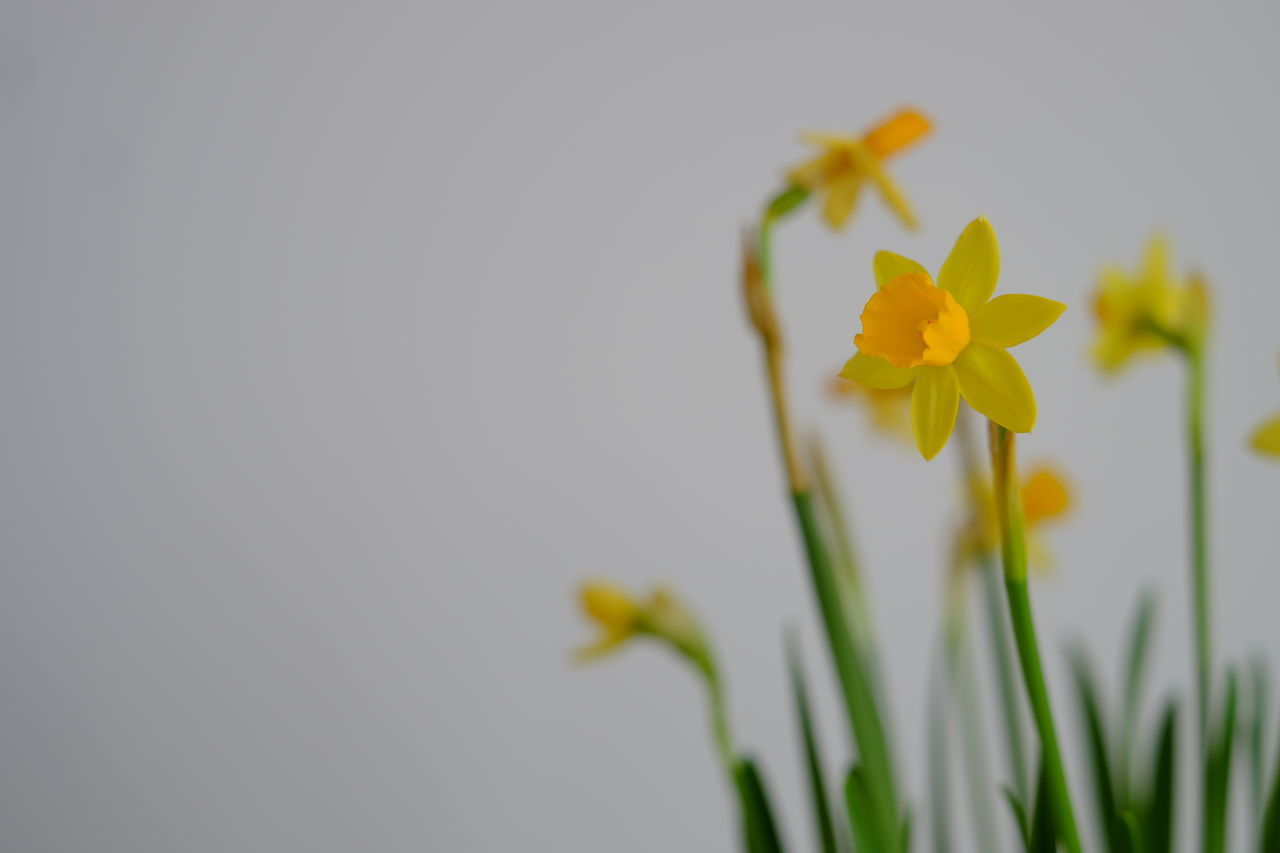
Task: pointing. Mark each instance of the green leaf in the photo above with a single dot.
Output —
(1099, 752)
(1134, 679)
(939, 765)
(860, 700)
(1259, 716)
(867, 836)
(1218, 773)
(1131, 831)
(1019, 816)
(1043, 837)
(820, 805)
(759, 826)
(1269, 832)
(1159, 824)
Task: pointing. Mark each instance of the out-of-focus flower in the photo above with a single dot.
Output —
(1147, 311)
(614, 611)
(1266, 438)
(848, 162)
(889, 410)
(1045, 497)
(951, 338)
(620, 617)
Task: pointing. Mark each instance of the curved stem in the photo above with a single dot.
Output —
(1199, 540)
(1014, 551)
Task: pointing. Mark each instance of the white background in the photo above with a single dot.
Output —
(339, 340)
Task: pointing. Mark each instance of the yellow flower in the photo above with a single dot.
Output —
(616, 613)
(620, 617)
(1266, 438)
(847, 162)
(889, 409)
(1147, 311)
(951, 338)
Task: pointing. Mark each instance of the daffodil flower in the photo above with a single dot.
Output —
(889, 410)
(620, 617)
(951, 339)
(848, 162)
(1147, 311)
(1266, 438)
(614, 611)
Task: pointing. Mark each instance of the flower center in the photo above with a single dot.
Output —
(910, 322)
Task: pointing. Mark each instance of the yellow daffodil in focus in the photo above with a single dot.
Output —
(889, 410)
(1147, 311)
(950, 338)
(848, 162)
(1266, 438)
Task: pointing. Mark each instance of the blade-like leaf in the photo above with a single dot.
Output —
(1269, 832)
(1259, 718)
(867, 837)
(1099, 752)
(1218, 773)
(1134, 679)
(1043, 837)
(1019, 816)
(939, 765)
(860, 699)
(1159, 823)
(824, 826)
(760, 828)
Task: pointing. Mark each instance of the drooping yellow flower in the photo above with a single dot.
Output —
(1266, 438)
(621, 617)
(951, 338)
(1147, 311)
(889, 409)
(616, 613)
(848, 162)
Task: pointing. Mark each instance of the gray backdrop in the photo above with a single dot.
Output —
(339, 340)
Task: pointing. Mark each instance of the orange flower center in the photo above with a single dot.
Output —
(910, 322)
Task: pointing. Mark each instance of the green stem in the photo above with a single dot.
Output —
(1199, 539)
(859, 695)
(1006, 668)
(848, 572)
(720, 726)
(978, 774)
(1014, 551)
(997, 626)
(867, 727)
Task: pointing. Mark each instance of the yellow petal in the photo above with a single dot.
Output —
(896, 133)
(1045, 495)
(934, 403)
(1155, 261)
(601, 647)
(1266, 438)
(1012, 319)
(888, 266)
(815, 172)
(870, 166)
(877, 373)
(992, 382)
(842, 196)
(971, 270)
(608, 605)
